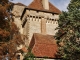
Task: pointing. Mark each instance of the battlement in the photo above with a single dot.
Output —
(35, 21)
(37, 16)
(38, 19)
(42, 14)
(39, 22)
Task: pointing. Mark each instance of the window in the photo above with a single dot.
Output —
(18, 57)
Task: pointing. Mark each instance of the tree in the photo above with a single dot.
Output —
(10, 37)
(10, 47)
(68, 35)
(5, 7)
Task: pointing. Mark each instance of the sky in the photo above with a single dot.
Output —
(60, 4)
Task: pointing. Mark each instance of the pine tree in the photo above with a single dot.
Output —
(69, 33)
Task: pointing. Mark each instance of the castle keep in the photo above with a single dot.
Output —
(39, 17)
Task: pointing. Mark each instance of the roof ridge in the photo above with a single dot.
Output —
(40, 49)
(21, 4)
(37, 5)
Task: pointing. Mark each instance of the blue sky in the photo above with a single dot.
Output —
(60, 4)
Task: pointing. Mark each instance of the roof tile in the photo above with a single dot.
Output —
(24, 49)
(43, 46)
(37, 4)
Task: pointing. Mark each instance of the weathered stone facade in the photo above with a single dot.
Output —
(39, 17)
(39, 22)
(36, 22)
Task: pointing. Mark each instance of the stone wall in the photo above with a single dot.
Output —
(35, 21)
(17, 10)
(51, 27)
(18, 23)
(39, 22)
(34, 26)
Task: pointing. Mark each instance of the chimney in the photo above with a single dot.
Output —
(45, 4)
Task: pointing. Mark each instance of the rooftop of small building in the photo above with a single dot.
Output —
(43, 46)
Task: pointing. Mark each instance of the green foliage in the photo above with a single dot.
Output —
(69, 32)
(29, 56)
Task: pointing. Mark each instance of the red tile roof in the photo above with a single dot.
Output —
(24, 49)
(37, 4)
(43, 46)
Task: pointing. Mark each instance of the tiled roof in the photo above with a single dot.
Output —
(24, 49)
(43, 46)
(37, 4)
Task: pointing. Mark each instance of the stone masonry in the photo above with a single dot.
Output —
(30, 21)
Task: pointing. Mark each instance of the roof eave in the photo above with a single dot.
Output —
(38, 10)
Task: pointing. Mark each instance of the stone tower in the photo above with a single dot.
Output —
(39, 17)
